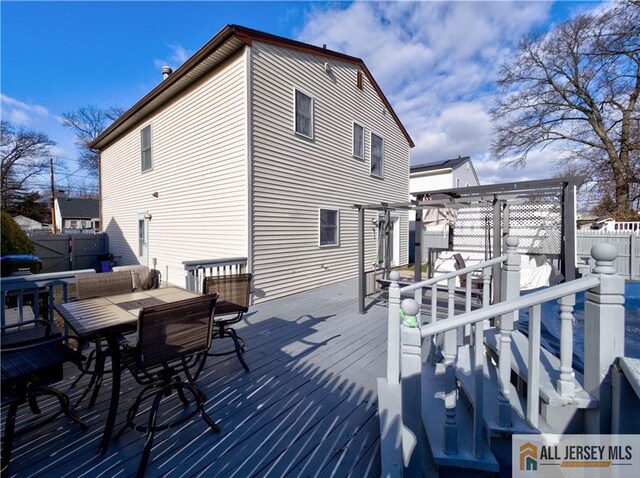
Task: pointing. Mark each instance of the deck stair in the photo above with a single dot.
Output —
(466, 386)
(433, 414)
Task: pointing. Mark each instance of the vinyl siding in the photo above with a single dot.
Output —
(199, 150)
(293, 177)
(466, 176)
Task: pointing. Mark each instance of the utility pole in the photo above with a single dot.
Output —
(53, 198)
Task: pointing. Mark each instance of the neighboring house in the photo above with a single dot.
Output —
(452, 173)
(259, 147)
(28, 224)
(77, 213)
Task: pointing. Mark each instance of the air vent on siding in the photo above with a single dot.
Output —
(359, 80)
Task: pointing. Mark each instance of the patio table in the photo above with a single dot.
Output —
(109, 317)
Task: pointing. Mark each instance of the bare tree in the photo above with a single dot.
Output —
(23, 155)
(87, 122)
(577, 87)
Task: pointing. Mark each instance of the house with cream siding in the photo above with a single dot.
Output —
(257, 147)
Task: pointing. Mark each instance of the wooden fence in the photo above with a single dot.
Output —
(626, 243)
(70, 252)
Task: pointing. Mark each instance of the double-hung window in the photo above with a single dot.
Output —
(145, 148)
(377, 155)
(303, 114)
(329, 227)
(358, 141)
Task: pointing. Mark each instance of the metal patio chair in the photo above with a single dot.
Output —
(170, 337)
(91, 286)
(234, 293)
(31, 357)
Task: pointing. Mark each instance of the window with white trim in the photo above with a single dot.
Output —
(358, 140)
(377, 155)
(145, 148)
(329, 227)
(303, 114)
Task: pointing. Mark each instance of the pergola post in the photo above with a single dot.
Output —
(417, 252)
(362, 278)
(497, 247)
(387, 243)
(568, 246)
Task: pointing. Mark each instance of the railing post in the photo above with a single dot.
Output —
(510, 282)
(565, 384)
(603, 336)
(411, 388)
(393, 330)
(450, 349)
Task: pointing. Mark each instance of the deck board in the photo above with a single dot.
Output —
(307, 408)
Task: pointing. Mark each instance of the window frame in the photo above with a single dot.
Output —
(371, 135)
(150, 149)
(142, 218)
(311, 114)
(353, 139)
(337, 227)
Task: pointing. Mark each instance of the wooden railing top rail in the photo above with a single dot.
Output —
(454, 274)
(35, 281)
(496, 310)
(206, 263)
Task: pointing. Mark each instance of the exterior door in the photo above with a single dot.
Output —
(143, 239)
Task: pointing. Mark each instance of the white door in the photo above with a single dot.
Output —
(143, 238)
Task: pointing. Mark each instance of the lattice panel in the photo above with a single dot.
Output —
(537, 223)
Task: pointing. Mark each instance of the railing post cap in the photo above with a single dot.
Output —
(394, 276)
(512, 241)
(409, 307)
(604, 252)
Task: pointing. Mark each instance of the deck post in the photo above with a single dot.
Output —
(510, 282)
(393, 330)
(603, 336)
(450, 350)
(418, 245)
(565, 385)
(362, 279)
(410, 389)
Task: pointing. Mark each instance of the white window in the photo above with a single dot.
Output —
(303, 114)
(73, 224)
(377, 155)
(458, 182)
(329, 227)
(145, 148)
(358, 141)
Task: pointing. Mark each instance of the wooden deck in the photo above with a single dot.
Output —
(307, 408)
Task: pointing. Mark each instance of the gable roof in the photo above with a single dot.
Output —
(447, 163)
(226, 42)
(78, 208)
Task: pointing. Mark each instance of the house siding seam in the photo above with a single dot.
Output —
(199, 148)
(295, 176)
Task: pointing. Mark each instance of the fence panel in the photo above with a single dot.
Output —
(53, 251)
(85, 249)
(627, 244)
(66, 252)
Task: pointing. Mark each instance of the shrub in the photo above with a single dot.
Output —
(14, 239)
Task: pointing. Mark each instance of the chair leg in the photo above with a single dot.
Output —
(33, 404)
(64, 405)
(84, 371)
(234, 337)
(7, 440)
(200, 399)
(153, 414)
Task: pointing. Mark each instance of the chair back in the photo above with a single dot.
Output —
(234, 289)
(170, 331)
(91, 286)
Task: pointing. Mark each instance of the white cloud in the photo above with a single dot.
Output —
(437, 63)
(21, 113)
(177, 56)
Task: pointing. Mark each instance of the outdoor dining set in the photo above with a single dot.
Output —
(118, 324)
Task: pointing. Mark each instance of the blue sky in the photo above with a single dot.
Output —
(435, 61)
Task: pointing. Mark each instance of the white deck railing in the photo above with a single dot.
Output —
(604, 342)
(33, 288)
(197, 270)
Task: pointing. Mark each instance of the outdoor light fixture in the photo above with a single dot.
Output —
(327, 67)
(155, 195)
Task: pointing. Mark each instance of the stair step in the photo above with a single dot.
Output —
(491, 394)
(549, 373)
(433, 417)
